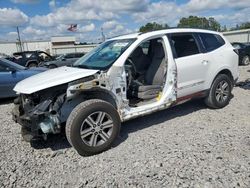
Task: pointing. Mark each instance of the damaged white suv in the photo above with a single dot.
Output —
(124, 78)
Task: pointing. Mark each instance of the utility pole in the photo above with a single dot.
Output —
(19, 39)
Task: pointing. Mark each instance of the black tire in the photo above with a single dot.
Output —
(245, 60)
(33, 64)
(79, 119)
(216, 98)
(52, 66)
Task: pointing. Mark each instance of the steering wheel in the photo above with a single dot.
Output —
(130, 69)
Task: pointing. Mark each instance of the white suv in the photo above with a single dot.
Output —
(124, 78)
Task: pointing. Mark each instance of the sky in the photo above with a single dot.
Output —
(41, 19)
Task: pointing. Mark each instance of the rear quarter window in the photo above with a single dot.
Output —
(211, 41)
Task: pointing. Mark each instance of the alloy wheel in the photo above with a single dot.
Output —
(222, 91)
(96, 129)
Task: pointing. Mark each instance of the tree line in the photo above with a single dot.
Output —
(195, 22)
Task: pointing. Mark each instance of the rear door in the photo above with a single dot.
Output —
(191, 63)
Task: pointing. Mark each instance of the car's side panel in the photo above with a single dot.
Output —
(191, 73)
(223, 58)
(8, 81)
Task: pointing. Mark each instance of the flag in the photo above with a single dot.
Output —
(72, 27)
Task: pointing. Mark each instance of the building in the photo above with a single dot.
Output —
(238, 36)
(62, 45)
(57, 45)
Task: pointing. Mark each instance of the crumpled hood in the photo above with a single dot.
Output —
(52, 78)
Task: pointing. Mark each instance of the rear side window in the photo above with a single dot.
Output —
(78, 55)
(211, 41)
(184, 45)
(69, 56)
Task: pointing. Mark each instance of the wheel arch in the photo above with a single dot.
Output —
(225, 71)
(31, 61)
(101, 94)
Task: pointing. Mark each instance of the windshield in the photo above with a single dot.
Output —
(60, 57)
(11, 64)
(103, 56)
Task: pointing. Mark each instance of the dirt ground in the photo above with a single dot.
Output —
(186, 146)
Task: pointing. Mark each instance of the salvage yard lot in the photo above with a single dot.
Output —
(186, 146)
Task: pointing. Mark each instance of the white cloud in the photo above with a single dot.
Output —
(12, 17)
(52, 4)
(87, 28)
(154, 13)
(109, 24)
(91, 15)
(88, 10)
(201, 5)
(32, 31)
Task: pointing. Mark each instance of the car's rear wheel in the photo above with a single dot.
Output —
(220, 92)
(92, 127)
(32, 65)
(245, 60)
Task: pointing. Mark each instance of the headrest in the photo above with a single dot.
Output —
(138, 52)
(159, 50)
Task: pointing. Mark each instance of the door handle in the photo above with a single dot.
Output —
(205, 62)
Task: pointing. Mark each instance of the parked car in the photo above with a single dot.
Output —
(244, 52)
(63, 60)
(124, 78)
(30, 58)
(10, 74)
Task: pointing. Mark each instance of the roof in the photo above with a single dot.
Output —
(165, 31)
(63, 39)
(237, 31)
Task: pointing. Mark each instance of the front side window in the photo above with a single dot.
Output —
(104, 55)
(28, 55)
(184, 45)
(211, 41)
(3, 68)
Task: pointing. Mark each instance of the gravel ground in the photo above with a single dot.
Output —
(186, 146)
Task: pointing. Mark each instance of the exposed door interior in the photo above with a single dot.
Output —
(146, 70)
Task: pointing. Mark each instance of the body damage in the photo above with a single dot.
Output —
(45, 110)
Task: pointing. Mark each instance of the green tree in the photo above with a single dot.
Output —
(199, 22)
(153, 27)
(245, 25)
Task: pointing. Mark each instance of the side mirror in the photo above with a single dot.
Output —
(12, 70)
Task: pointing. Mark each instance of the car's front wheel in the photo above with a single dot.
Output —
(220, 92)
(245, 60)
(92, 127)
